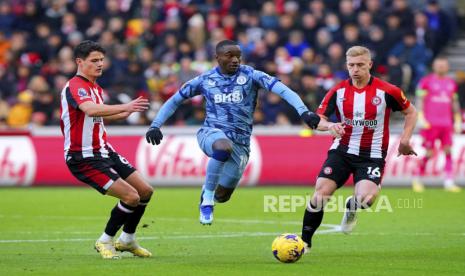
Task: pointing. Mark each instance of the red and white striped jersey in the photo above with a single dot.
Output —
(365, 113)
(83, 134)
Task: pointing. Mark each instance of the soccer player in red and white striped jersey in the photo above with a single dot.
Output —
(90, 157)
(83, 134)
(363, 104)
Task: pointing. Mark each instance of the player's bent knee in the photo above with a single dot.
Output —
(222, 199)
(223, 194)
(222, 149)
(324, 191)
(325, 186)
(146, 193)
(132, 198)
(221, 155)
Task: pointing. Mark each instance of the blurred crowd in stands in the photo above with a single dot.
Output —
(154, 46)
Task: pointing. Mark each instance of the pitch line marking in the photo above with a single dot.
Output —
(227, 235)
(332, 228)
(245, 221)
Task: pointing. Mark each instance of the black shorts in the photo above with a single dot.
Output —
(99, 172)
(339, 165)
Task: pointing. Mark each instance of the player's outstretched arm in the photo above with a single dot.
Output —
(289, 96)
(101, 110)
(119, 116)
(405, 148)
(336, 129)
(274, 85)
(154, 134)
(311, 119)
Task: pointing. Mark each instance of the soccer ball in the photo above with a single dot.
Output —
(288, 248)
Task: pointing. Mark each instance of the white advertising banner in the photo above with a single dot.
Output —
(17, 161)
(399, 170)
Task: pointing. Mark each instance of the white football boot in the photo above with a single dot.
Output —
(349, 220)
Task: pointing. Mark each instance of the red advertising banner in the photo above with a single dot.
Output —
(178, 160)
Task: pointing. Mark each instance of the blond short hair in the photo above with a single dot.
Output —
(356, 51)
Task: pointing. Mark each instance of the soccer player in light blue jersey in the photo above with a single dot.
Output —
(230, 91)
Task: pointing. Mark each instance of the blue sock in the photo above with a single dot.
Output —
(214, 169)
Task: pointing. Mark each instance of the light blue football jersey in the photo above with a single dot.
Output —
(230, 100)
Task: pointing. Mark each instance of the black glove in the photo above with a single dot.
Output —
(311, 119)
(154, 136)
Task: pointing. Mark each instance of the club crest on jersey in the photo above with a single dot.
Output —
(376, 100)
(327, 170)
(211, 82)
(82, 93)
(359, 114)
(241, 80)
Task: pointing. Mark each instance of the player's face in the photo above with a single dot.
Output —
(92, 66)
(229, 59)
(441, 67)
(359, 67)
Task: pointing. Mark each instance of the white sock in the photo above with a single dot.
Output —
(127, 238)
(105, 238)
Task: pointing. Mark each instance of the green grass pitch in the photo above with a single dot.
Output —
(51, 231)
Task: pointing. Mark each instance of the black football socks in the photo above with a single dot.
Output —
(353, 204)
(312, 220)
(119, 215)
(134, 218)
